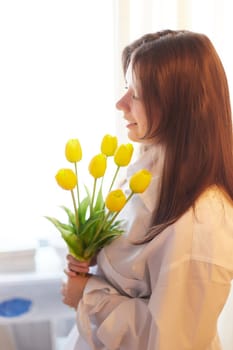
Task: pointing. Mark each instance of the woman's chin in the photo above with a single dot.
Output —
(133, 137)
(133, 134)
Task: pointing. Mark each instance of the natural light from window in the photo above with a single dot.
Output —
(60, 75)
(56, 71)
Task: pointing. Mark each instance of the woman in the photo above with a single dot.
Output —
(164, 282)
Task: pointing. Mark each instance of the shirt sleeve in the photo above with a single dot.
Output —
(109, 320)
(186, 303)
(181, 312)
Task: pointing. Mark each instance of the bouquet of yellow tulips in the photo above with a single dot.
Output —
(92, 222)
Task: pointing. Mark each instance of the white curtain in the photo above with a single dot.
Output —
(211, 17)
(56, 83)
(60, 74)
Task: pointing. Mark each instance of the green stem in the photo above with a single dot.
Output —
(101, 185)
(76, 172)
(75, 209)
(101, 226)
(93, 195)
(114, 178)
(111, 221)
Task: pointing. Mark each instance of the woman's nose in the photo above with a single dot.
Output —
(118, 104)
(121, 104)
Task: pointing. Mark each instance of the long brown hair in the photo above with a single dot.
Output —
(181, 72)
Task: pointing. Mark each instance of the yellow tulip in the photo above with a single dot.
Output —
(73, 151)
(109, 145)
(139, 182)
(66, 179)
(115, 200)
(97, 166)
(123, 154)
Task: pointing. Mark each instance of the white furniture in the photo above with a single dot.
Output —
(48, 318)
(47, 323)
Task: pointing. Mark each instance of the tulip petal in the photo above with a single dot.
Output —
(97, 166)
(73, 151)
(108, 145)
(123, 154)
(115, 200)
(66, 179)
(139, 182)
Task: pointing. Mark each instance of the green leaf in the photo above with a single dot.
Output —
(106, 239)
(88, 193)
(74, 243)
(82, 210)
(100, 243)
(89, 252)
(99, 204)
(59, 225)
(91, 225)
(70, 215)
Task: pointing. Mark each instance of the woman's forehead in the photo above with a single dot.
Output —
(131, 76)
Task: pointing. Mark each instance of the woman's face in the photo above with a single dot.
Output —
(131, 104)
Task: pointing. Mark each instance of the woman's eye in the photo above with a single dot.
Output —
(135, 97)
(133, 94)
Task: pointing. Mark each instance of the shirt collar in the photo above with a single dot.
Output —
(151, 159)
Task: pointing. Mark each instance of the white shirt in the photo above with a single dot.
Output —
(166, 294)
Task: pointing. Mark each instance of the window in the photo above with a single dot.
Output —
(56, 83)
(60, 75)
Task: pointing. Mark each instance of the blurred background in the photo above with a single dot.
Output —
(60, 76)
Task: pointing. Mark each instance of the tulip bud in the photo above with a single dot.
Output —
(73, 151)
(123, 154)
(139, 182)
(109, 145)
(115, 200)
(66, 179)
(97, 166)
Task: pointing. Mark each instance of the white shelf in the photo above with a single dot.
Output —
(44, 308)
(48, 267)
(42, 286)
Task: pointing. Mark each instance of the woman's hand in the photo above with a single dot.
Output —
(75, 266)
(72, 290)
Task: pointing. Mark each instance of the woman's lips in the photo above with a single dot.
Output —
(131, 125)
